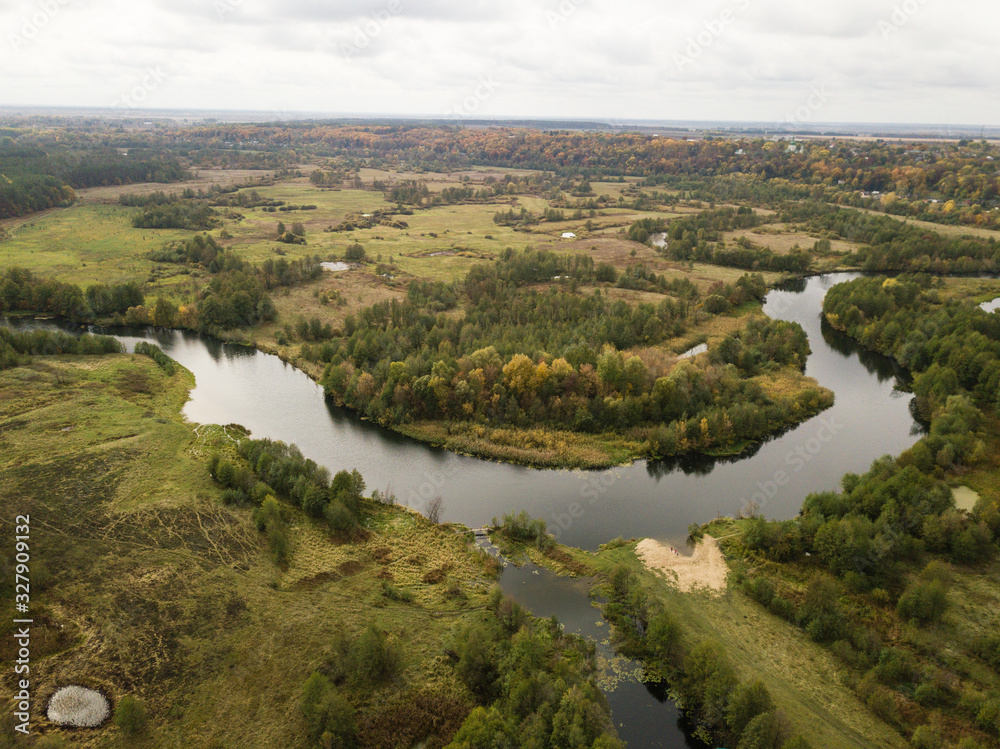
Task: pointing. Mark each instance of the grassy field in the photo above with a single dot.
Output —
(947, 230)
(804, 679)
(144, 584)
(95, 242)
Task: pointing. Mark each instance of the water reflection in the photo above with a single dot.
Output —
(642, 711)
(236, 384)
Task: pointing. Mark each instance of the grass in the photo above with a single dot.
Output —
(86, 244)
(802, 677)
(144, 584)
(96, 242)
(539, 448)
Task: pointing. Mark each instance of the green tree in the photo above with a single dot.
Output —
(130, 716)
(328, 715)
(747, 702)
(164, 313)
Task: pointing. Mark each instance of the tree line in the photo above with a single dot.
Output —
(876, 555)
(21, 290)
(18, 346)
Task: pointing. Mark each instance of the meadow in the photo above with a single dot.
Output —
(144, 583)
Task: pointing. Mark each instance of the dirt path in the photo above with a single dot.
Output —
(705, 569)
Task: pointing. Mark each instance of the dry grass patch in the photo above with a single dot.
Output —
(782, 239)
(204, 179)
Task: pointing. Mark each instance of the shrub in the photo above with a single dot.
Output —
(663, 638)
(355, 254)
(708, 682)
(374, 658)
(329, 716)
(781, 606)
(987, 647)
(522, 527)
(881, 702)
(234, 497)
(924, 601)
(747, 702)
(926, 737)
(130, 716)
(393, 593)
(763, 732)
(277, 544)
(761, 589)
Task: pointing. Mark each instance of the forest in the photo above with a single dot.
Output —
(883, 552)
(533, 683)
(34, 177)
(521, 355)
(942, 182)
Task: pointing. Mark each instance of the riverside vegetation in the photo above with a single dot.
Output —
(198, 565)
(174, 594)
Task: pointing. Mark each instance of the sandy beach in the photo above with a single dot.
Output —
(705, 569)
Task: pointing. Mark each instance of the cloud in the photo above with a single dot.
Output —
(884, 60)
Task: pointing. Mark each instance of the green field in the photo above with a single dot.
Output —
(144, 583)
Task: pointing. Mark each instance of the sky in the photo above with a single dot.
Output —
(771, 61)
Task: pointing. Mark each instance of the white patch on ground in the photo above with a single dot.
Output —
(705, 569)
(965, 498)
(78, 707)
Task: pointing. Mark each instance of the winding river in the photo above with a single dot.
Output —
(659, 499)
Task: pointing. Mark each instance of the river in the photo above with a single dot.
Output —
(659, 499)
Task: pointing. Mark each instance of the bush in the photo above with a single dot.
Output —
(924, 601)
(708, 682)
(781, 606)
(761, 589)
(393, 593)
(329, 716)
(355, 254)
(987, 647)
(130, 716)
(763, 732)
(747, 702)
(234, 497)
(926, 737)
(663, 639)
(522, 527)
(881, 702)
(277, 544)
(374, 658)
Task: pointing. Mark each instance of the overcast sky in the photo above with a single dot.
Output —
(921, 61)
